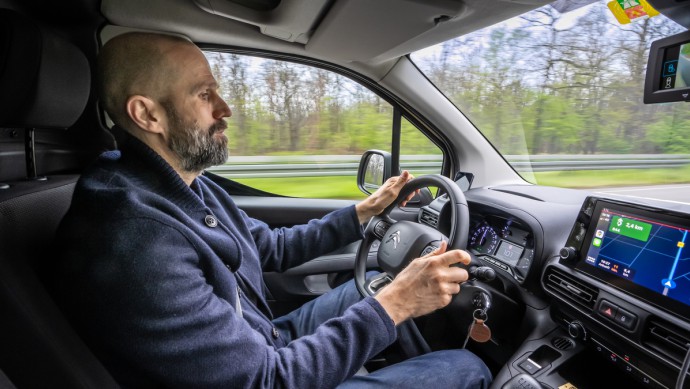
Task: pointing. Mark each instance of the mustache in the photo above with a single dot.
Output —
(220, 125)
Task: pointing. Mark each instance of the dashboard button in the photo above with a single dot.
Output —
(601, 349)
(628, 368)
(380, 228)
(648, 382)
(608, 309)
(530, 366)
(625, 318)
(614, 358)
(428, 249)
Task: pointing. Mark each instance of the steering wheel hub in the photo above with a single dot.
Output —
(405, 241)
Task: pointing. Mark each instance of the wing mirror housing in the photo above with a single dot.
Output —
(374, 169)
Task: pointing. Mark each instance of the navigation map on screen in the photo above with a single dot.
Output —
(649, 253)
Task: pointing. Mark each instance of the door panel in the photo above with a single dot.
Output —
(287, 211)
(294, 287)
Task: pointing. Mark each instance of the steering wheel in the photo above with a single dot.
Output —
(403, 241)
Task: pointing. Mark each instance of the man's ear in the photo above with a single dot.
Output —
(146, 113)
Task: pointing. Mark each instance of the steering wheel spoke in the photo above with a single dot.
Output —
(378, 227)
(377, 283)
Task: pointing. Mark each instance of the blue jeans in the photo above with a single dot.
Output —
(443, 369)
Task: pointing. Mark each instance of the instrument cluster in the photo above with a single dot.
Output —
(502, 242)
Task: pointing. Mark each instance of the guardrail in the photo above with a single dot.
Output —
(346, 165)
(546, 163)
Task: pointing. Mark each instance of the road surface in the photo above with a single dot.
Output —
(678, 193)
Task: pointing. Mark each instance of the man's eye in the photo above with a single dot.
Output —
(204, 96)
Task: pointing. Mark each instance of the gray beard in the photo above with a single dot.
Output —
(197, 149)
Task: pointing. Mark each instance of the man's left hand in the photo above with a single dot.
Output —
(383, 197)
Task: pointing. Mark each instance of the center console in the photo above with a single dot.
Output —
(641, 251)
(623, 276)
(620, 292)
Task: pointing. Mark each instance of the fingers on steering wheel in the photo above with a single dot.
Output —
(453, 288)
(456, 256)
(408, 177)
(409, 197)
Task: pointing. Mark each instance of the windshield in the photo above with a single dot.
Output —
(559, 95)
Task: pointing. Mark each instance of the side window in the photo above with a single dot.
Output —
(417, 153)
(299, 131)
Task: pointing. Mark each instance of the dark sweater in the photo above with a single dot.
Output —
(151, 283)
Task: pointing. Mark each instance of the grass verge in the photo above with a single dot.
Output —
(345, 187)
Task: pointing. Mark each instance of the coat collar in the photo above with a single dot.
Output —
(151, 171)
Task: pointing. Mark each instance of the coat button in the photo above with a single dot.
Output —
(275, 333)
(210, 221)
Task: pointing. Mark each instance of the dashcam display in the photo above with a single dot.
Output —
(676, 67)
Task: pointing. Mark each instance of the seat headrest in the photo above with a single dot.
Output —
(44, 79)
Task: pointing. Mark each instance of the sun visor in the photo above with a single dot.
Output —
(362, 30)
(290, 21)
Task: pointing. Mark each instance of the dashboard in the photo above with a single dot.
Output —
(502, 242)
(600, 284)
(621, 285)
(500, 235)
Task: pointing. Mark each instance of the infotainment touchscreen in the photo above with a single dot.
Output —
(651, 251)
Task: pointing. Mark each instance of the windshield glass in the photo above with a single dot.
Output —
(559, 94)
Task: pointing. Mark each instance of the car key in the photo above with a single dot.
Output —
(479, 331)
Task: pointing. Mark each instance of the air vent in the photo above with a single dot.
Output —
(569, 288)
(666, 338)
(428, 218)
(562, 343)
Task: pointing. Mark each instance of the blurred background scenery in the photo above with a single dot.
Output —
(558, 94)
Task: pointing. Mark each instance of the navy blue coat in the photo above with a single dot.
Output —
(150, 282)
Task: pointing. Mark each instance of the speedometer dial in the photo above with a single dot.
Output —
(484, 240)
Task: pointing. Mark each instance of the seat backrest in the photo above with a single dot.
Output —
(44, 84)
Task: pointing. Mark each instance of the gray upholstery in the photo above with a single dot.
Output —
(45, 83)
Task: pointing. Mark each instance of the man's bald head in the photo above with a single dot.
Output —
(135, 63)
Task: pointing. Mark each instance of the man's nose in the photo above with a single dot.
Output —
(221, 108)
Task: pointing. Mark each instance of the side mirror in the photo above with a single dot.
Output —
(374, 170)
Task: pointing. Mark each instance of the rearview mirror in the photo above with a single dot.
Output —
(374, 170)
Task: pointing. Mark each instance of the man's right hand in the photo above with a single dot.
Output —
(425, 285)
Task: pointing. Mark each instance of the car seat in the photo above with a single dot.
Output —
(45, 83)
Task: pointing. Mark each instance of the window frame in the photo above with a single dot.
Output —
(407, 112)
